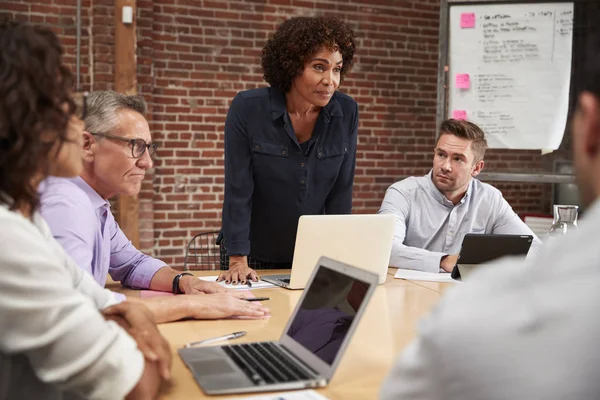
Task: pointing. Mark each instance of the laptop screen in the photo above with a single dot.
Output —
(327, 313)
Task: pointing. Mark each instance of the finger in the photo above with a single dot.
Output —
(240, 295)
(116, 309)
(235, 278)
(165, 367)
(160, 346)
(144, 344)
(165, 371)
(254, 310)
(163, 351)
(223, 276)
(253, 275)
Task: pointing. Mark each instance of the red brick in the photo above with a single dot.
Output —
(19, 7)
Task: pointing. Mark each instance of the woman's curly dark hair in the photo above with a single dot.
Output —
(285, 54)
(35, 107)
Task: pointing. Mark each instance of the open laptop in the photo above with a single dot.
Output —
(310, 348)
(477, 249)
(362, 240)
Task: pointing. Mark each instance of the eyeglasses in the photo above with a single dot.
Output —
(138, 146)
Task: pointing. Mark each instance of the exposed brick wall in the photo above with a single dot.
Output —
(194, 56)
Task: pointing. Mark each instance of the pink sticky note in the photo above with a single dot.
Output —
(459, 114)
(463, 81)
(467, 20)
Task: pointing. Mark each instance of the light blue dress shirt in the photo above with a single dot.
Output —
(429, 226)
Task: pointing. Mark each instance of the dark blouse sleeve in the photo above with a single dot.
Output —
(239, 182)
(339, 200)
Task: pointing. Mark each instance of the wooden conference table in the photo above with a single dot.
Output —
(388, 325)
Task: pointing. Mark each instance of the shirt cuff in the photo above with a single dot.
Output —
(143, 274)
(431, 262)
(241, 247)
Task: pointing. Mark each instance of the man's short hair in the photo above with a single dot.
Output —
(466, 130)
(102, 107)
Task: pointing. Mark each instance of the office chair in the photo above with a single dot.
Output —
(203, 252)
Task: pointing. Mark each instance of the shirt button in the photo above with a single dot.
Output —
(302, 164)
(302, 181)
(320, 154)
(256, 147)
(284, 152)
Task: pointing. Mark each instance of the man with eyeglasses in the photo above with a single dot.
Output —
(118, 150)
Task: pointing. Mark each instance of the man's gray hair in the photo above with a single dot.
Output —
(102, 107)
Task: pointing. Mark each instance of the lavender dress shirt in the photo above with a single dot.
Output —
(81, 221)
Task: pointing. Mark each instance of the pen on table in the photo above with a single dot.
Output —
(233, 335)
(258, 299)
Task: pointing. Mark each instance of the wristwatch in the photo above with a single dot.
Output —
(176, 280)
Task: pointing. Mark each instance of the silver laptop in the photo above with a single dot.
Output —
(362, 240)
(310, 348)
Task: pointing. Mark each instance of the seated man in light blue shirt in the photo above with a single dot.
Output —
(435, 211)
(118, 150)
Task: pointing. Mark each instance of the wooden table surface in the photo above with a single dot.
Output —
(388, 325)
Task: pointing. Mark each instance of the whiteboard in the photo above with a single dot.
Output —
(510, 70)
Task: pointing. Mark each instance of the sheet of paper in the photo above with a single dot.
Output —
(255, 285)
(467, 20)
(518, 58)
(412, 275)
(459, 114)
(298, 395)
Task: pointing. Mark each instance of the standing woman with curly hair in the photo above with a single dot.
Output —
(290, 149)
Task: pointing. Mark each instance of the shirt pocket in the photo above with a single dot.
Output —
(260, 146)
(329, 161)
(270, 161)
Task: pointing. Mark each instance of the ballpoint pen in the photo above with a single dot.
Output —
(257, 299)
(233, 335)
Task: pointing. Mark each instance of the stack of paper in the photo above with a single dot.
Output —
(239, 286)
(412, 275)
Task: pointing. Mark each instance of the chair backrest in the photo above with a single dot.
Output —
(202, 252)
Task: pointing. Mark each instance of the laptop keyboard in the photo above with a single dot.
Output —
(285, 280)
(264, 363)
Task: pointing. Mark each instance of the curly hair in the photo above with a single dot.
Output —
(285, 54)
(35, 108)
